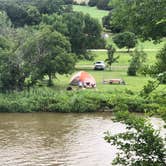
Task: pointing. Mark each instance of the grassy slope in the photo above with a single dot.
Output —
(93, 11)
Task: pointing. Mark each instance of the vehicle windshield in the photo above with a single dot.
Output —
(98, 62)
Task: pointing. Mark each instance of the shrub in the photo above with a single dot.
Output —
(47, 100)
(139, 145)
(125, 39)
(138, 58)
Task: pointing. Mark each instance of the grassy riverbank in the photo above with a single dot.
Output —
(49, 100)
(106, 96)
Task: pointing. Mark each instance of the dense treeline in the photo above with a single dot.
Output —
(29, 12)
(100, 4)
(144, 18)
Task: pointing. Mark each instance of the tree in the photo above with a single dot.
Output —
(144, 18)
(33, 15)
(106, 21)
(149, 88)
(93, 2)
(110, 52)
(125, 39)
(5, 24)
(11, 71)
(48, 53)
(50, 6)
(159, 69)
(29, 12)
(137, 60)
(16, 13)
(84, 32)
(57, 22)
(103, 4)
(139, 145)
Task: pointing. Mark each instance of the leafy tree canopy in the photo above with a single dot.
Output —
(48, 53)
(22, 12)
(82, 30)
(144, 18)
(139, 145)
(125, 39)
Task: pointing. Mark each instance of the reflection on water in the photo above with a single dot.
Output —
(56, 139)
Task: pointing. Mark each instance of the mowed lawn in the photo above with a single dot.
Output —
(119, 70)
(93, 11)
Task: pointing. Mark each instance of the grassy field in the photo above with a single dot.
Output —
(93, 11)
(119, 70)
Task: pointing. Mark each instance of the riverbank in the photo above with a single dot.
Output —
(47, 100)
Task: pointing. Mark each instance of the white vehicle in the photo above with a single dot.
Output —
(100, 65)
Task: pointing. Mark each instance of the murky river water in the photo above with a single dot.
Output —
(57, 139)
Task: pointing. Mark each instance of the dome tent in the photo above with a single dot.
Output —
(83, 77)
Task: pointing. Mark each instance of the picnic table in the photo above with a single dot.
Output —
(114, 81)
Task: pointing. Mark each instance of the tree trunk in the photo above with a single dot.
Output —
(50, 80)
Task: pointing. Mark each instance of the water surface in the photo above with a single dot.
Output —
(57, 139)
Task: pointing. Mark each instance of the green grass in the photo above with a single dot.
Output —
(119, 70)
(93, 11)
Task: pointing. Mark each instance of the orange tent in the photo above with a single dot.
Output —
(83, 77)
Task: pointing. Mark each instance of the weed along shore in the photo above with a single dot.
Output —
(48, 100)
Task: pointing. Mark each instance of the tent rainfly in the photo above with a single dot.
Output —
(84, 78)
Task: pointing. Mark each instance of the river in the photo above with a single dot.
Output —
(58, 139)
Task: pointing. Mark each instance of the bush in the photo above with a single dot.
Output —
(47, 100)
(93, 3)
(137, 61)
(103, 4)
(139, 145)
(125, 39)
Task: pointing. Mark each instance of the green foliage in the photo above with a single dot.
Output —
(50, 6)
(101, 4)
(138, 58)
(125, 39)
(29, 12)
(106, 21)
(149, 88)
(144, 18)
(110, 52)
(11, 74)
(161, 60)
(83, 31)
(160, 67)
(47, 100)
(139, 145)
(33, 15)
(48, 53)
(92, 2)
(5, 24)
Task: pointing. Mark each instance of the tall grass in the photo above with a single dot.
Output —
(48, 100)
